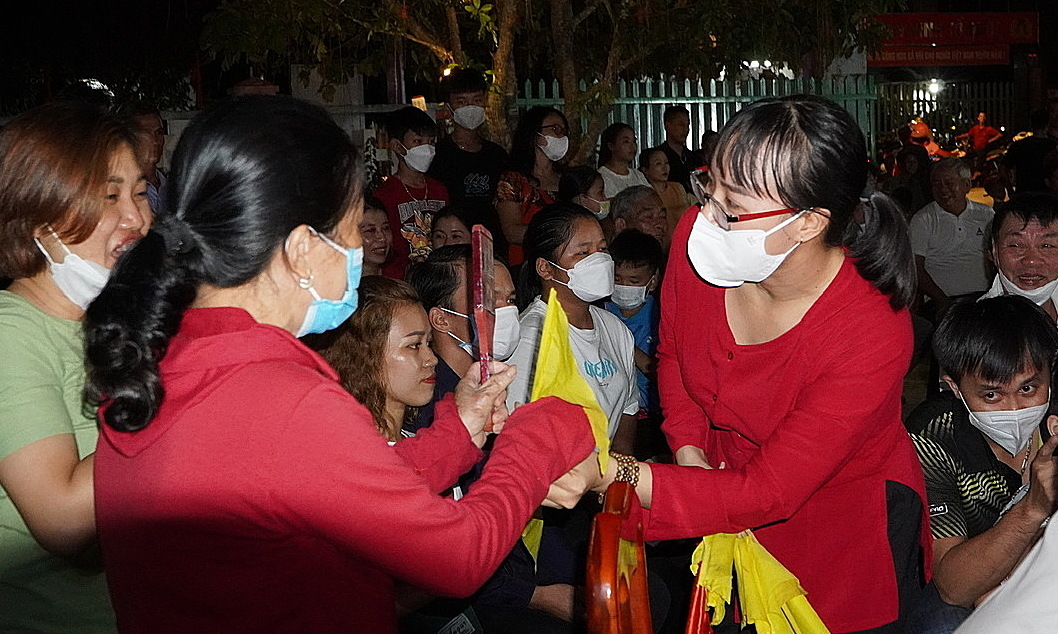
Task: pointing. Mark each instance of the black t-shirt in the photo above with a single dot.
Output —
(471, 179)
(1026, 157)
(967, 486)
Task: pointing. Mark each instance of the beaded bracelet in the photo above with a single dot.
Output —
(627, 468)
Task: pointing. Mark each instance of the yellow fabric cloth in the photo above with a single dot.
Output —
(771, 597)
(532, 535)
(712, 561)
(558, 374)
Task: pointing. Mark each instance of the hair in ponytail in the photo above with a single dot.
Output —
(882, 249)
(808, 152)
(244, 175)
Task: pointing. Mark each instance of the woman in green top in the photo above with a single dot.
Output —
(72, 200)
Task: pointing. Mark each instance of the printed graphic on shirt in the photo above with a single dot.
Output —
(600, 370)
(416, 216)
(964, 500)
(477, 186)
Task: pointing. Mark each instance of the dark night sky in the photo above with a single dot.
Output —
(82, 36)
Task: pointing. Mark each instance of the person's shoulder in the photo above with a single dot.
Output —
(852, 308)
(389, 189)
(494, 149)
(925, 218)
(935, 417)
(24, 326)
(608, 322)
(533, 315)
(981, 210)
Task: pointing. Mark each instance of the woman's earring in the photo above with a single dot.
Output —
(306, 282)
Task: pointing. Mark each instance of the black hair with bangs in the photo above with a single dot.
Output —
(809, 153)
(995, 339)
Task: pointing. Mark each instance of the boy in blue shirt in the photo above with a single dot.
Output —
(637, 263)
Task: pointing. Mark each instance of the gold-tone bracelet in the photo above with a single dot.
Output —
(627, 468)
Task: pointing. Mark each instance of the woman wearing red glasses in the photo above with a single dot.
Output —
(784, 341)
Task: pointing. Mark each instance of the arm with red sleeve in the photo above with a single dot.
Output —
(366, 499)
(443, 451)
(846, 404)
(685, 424)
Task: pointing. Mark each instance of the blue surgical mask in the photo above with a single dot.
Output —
(328, 314)
(465, 346)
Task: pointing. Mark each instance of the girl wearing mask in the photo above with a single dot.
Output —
(583, 186)
(232, 445)
(783, 345)
(617, 153)
(72, 200)
(567, 252)
(539, 145)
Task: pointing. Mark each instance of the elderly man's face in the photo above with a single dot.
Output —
(650, 218)
(1027, 253)
(949, 190)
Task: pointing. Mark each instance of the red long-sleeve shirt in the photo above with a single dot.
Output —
(809, 426)
(263, 499)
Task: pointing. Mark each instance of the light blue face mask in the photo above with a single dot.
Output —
(465, 346)
(328, 314)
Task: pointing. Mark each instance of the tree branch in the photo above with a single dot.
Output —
(583, 15)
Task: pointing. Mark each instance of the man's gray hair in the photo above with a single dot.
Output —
(626, 204)
(957, 165)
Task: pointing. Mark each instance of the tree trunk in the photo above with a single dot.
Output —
(500, 109)
(455, 42)
(566, 68)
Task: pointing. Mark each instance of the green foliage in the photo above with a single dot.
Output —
(685, 38)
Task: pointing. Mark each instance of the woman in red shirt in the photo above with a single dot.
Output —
(238, 487)
(784, 340)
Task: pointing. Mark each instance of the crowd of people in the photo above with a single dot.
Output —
(244, 395)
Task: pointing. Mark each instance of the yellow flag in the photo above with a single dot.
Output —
(772, 598)
(557, 374)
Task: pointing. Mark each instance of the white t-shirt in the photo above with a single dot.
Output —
(1024, 603)
(953, 246)
(605, 355)
(614, 183)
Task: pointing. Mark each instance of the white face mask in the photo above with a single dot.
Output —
(507, 332)
(556, 147)
(591, 279)
(80, 280)
(604, 207)
(469, 117)
(731, 258)
(1037, 295)
(628, 297)
(1010, 429)
(420, 157)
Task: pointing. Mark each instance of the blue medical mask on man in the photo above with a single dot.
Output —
(505, 335)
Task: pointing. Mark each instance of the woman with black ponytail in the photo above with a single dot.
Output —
(239, 487)
(784, 340)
